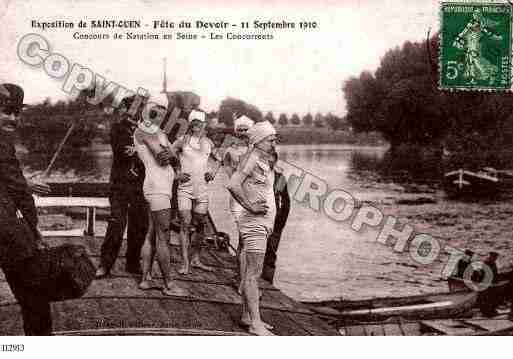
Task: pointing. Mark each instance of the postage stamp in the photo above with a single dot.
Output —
(475, 46)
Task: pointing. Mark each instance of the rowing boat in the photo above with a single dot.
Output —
(457, 302)
(463, 182)
(412, 307)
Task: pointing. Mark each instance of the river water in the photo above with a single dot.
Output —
(318, 258)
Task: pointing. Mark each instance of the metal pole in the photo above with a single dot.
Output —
(58, 151)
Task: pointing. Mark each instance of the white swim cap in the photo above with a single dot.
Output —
(260, 131)
(243, 121)
(197, 115)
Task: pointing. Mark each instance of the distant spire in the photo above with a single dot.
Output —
(164, 83)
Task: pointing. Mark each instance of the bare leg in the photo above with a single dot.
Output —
(254, 264)
(148, 254)
(242, 264)
(196, 246)
(161, 221)
(184, 239)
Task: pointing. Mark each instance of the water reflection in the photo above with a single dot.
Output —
(398, 167)
(332, 163)
(78, 166)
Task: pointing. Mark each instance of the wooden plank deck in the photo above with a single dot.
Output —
(211, 306)
(449, 327)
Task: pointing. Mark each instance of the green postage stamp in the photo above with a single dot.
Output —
(475, 46)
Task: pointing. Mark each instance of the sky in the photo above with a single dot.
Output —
(298, 71)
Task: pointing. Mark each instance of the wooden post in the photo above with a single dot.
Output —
(90, 221)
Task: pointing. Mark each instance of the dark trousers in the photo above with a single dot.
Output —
(35, 308)
(126, 201)
(270, 257)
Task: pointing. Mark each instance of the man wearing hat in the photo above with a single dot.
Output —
(126, 196)
(19, 238)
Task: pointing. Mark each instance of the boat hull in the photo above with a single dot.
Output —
(468, 183)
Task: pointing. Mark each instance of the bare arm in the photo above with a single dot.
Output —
(176, 147)
(213, 161)
(174, 150)
(151, 141)
(227, 164)
(238, 193)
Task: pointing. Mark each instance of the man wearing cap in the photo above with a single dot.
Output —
(252, 186)
(194, 150)
(126, 196)
(19, 243)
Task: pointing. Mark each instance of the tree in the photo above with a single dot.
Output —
(319, 120)
(254, 113)
(334, 122)
(402, 101)
(269, 117)
(363, 96)
(211, 115)
(231, 107)
(295, 120)
(283, 120)
(308, 120)
(45, 125)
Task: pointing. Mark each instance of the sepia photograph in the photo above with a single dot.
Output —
(258, 168)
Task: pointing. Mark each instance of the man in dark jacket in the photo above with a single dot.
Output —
(282, 199)
(19, 238)
(492, 297)
(126, 197)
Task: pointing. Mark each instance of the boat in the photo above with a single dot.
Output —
(453, 313)
(416, 307)
(462, 182)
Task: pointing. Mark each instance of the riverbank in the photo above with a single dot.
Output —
(314, 135)
(300, 136)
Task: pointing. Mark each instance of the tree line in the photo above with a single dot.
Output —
(46, 123)
(232, 107)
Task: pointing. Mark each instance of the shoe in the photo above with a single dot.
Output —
(101, 273)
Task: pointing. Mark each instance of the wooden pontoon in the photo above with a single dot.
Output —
(116, 306)
(452, 313)
(472, 326)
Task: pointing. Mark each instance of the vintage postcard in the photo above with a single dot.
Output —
(307, 168)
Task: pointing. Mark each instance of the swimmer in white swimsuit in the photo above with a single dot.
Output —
(252, 186)
(149, 140)
(231, 161)
(194, 150)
